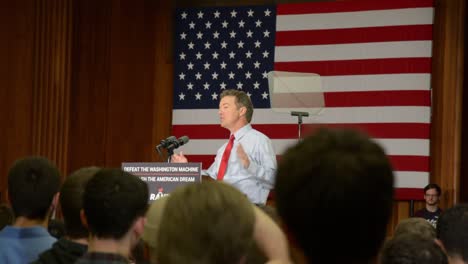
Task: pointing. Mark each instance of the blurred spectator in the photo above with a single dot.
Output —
(416, 226)
(75, 242)
(33, 186)
(334, 193)
(452, 232)
(412, 249)
(114, 208)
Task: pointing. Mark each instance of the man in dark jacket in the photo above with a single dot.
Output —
(75, 243)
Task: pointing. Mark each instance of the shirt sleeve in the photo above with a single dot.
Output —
(263, 163)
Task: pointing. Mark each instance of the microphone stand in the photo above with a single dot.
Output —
(170, 152)
(299, 121)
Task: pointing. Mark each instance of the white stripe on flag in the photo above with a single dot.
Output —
(374, 18)
(378, 82)
(329, 115)
(355, 51)
(411, 179)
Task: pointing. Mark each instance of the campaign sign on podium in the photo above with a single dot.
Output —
(162, 178)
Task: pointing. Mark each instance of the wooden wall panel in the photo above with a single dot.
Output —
(90, 83)
(115, 112)
(16, 75)
(464, 154)
(51, 80)
(447, 87)
(35, 37)
(163, 75)
(130, 108)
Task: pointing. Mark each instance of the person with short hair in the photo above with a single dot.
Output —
(75, 242)
(334, 193)
(205, 223)
(452, 232)
(411, 248)
(212, 222)
(114, 207)
(417, 226)
(431, 211)
(33, 191)
(249, 158)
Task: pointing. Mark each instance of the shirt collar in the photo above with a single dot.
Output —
(242, 131)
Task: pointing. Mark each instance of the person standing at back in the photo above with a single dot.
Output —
(431, 211)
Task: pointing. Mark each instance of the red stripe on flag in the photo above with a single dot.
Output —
(353, 35)
(405, 194)
(378, 98)
(357, 67)
(289, 131)
(410, 163)
(345, 6)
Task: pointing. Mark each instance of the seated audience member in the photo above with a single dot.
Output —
(75, 242)
(431, 211)
(334, 193)
(412, 249)
(6, 216)
(33, 186)
(114, 207)
(212, 222)
(416, 226)
(452, 232)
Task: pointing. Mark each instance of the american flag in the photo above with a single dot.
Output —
(373, 57)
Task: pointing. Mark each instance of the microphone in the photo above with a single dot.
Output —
(179, 142)
(297, 113)
(166, 142)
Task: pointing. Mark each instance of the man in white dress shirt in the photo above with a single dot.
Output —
(251, 164)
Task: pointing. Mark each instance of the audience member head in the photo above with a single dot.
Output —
(334, 193)
(432, 194)
(208, 222)
(6, 216)
(33, 182)
(452, 231)
(415, 225)
(412, 249)
(71, 201)
(114, 202)
(433, 186)
(153, 222)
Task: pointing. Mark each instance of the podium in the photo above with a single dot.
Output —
(162, 178)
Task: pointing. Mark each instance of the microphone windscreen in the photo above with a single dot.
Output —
(183, 140)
